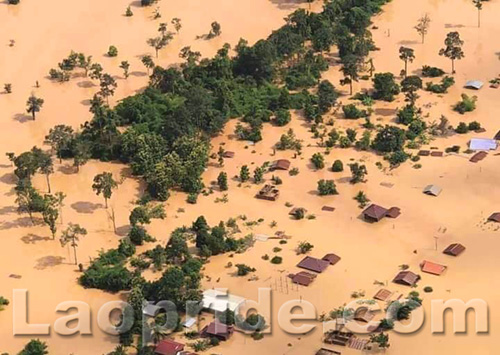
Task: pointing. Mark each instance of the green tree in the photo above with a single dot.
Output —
(453, 48)
(423, 25)
(222, 181)
(381, 339)
(125, 66)
(8, 88)
(107, 86)
(28, 199)
(59, 139)
(389, 139)
(258, 175)
(327, 187)
(128, 12)
(327, 96)
(50, 213)
(337, 166)
(96, 71)
(358, 172)
(318, 161)
(350, 69)
(215, 30)
(112, 51)
(34, 105)
(35, 347)
(148, 62)
(410, 85)
(304, 247)
(46, 166)
(71, 235)
(81, 153)
(159, 42)
(244, 173)
(406, 55)
(385, 87)
(144, 214)
(104, 184)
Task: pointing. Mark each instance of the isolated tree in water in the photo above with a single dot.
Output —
(215, 31)
(453, 48)
(125, 66)
(45, 165)
(104, 184)
(222, 181)
(479, 6)
(423, 25)
(177, 24)
(244, 173)
(81, 153)
(108, 86)
(159, 42)
(34, 105)
(350, 69)
(406, 55)
(50, 213)
(147, 60)
(72, 236)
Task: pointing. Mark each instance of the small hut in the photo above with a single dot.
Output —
(432, 268)
(432, 190)
(482, 144)
(374, 213)
(313, 264)
(393, 212)
(280, 164)
(406, 278)
(454, 249)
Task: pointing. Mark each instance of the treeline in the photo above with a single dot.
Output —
(168, 126)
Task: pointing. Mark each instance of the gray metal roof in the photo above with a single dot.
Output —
(482, 144)
(150, 310)
(474, 84)
(433, 190)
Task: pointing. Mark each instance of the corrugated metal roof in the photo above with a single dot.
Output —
(474, 84)
(482, 144)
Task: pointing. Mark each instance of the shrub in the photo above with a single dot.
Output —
(389, 139)
(318, 161)
(277, 260)
(244, 269)
(112, 51)
(362, 199)
(299, 213)
(138, 235)
(192, 198)
(431, 72)
(467, 104)
(304, 247)
(327, 187)
(462, 128)
(294, 172)
(129, 12)
(407, 114)
(453, 149)
(351, 111)
(337, 166)
(474, 126)
(13, 2)
(397, 158)
(441, 88)
(428, 289)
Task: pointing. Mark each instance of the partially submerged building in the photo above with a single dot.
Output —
(406, 278)
(217, 330)
(454, 249)
(482, 144)
(280, 164)
(269, 193)
(313, 264)
(432, 190)
(432, 268)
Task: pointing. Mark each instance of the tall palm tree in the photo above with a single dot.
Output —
(34, 105)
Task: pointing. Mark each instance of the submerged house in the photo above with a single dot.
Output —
(474, 84)
(280, 164)
(374, 213)
(454, 249)
(482, 144)
(313, 264)
(406, 278)
(218, 330)
(432, 190)
(269, 193)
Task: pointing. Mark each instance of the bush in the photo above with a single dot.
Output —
(318, 161)
(407, 114)
(277, 260)
(327, 187)
(397, 158)
(3, 302)
(299, 213)
(13, 2)
(389, 139)
(112, 51)
(362, 199)
(337, 166)
(474, 126)
(304, 247)
(192, 198)
(244, 269)
(431, 72)
(467, 104)
(428, 289)
(351, 111)
(138, 235)
(441, 88)
(462, 128)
